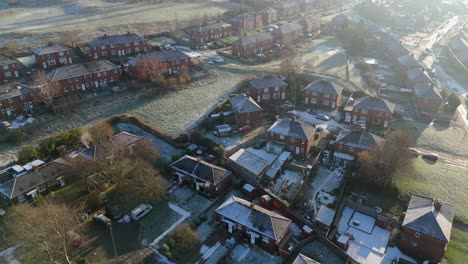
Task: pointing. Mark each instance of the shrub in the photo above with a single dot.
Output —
(71, 139)
(93, 201)
(26, 154)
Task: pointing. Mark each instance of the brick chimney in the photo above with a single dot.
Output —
(293, 118)
(437, 204)
(105, 35)
(50, 44)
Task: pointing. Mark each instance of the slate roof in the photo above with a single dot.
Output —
(292, 128)
(408, 61)
(32, 179)
(308, 20)
(268, 10)
(267, 81)
(358, 139)
(422, 216)
(324, 86)
(287, 28)
(77, 70)
(200, 169)
(115, 39)
(13, 90)
(374, 104)
(254, 217)
(252, 39)
(210, 26)
(301, 259)
(244, 104)
(418, 75)
(243, 17)
(6, 61)
(160, 56)
(50, 48)
(101, 151)
(427, 90)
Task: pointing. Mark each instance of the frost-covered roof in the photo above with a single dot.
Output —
(6, 61)
(325, 215)
(308, 20)
(424, 216)
(374, 104)
(254, 217)
(244, 104)
(417, 74)
(267, 81)
(103, 150)
(252, 39)
(210, 26)
(200, 169)
(13, 90)
(77, 70)
(287, 28)
(357, 139)
(159, 56)
(324, 86)
(116, 39)
(292, 128)
(427, 90)
(248, 160)
(301, 259)
(50, 48)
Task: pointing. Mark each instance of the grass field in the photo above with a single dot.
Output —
(457, 251)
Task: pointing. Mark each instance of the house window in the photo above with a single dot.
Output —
(23, 97)
(327, 95)
(103, 47)
(129, 50)
(137, 43)
(137, 49)
(351, 149)
(325, 102)
(8, 74)
(265, 90)
(115, 71)
(276, 95)
(281, 137)
(10, 100)
(314, 93)
(98, 74)
(104, 53)
(303, 142)
(42, 188)
(417, 234)
(5, 67)
(112, 46)
(113, 52)
(293, 139)
(379, 114)
(69, 80)
(61, 53)
(127, 44)
(313, 100)
(364, 111)
(266, 239)
(414, 244)
(276, 89)
(77, 79)
(266, 97)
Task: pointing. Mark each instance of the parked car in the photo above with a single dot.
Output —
(113, 213)
(140, 211)
(323, 117)
(413, 152)
(431, 156)
(102, 220)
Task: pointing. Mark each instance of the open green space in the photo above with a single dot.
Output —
(457, 251)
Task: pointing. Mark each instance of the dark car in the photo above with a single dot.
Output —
(323, 117)
(102, 220)
(431, 156)
(113, 213)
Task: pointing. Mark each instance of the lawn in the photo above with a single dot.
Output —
(457, 251)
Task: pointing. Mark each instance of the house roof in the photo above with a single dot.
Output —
(252, 39)
(358, 139)
(6, 61)
(101, 151)
(242, 17)
(210, 26)
(325, 215)
(13, 90)
(115, 39)
(32, 179)
(374, 104)
(50, 48)
(427, 90)
(244, 104)
(308, 20)
(287, 5)
(424, 216)
(287, 28)
(408, 61)
(324, 86)
(417, 74)
(292, 128)
(268, 10)
(76, 70)
(301, 259)
(200, 169)
(160, 56)
(267, 81)
(340, 19)
(254, 217)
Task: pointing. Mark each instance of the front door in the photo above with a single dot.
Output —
(96, 84)
(44, 65)
(298, 150)
(83, 87)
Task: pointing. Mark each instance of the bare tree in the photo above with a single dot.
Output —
(145, 150)
(47, 230)
(147, 183)
(46, 90)
(11, 46)
(72, 37)
(100, 132)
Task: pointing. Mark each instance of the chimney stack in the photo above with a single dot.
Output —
(437, 204)
(105, 35)
(293, 118)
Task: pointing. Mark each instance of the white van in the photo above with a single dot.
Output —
(140, 211)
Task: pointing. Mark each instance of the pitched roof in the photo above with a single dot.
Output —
(159, 56)
(6, 61)
(50, 48)
(268, 10)
(424, 216)
(100, 151)
(308, 20)
(292, 128)
(408, 61)
(374, 104)
(210, 26)
(116, 39)
(252, 39)
(417, 74)
(13, 90)
(244, 104)
(254, 217)
(77, 70)
(242, 17)
(200, 169)
(324, 86)
(427, 90)
(301, 259)
(267, 81)
(287, 28)
(358, 139)
(340, 19)
(32, 179)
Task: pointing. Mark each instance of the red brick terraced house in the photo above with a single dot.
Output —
(263, 227)
(251, 45)
(426, 228)
(160, 62)
(266, 89)
(84, 77)
(246, 110)
(209, 32)
(14, 99)
(371, 110)
(203, 176)
(269, 15)
(108, 46)
(246, 22)
(52, 56)
(291, 135)
(8, 68)
(417, 76)
(288, 9)
(287, 33)
(310, 24)
(323, 93)
(349, 143)
(427, 99)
